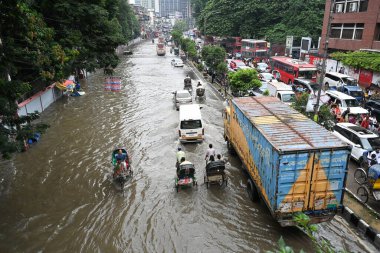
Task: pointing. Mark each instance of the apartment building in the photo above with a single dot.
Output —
(355, 25)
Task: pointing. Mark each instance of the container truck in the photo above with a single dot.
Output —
(293, 164)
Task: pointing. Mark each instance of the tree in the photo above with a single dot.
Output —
(213, 56)
(180, 26)
(270, 19)
(244, 79)
(176, 35)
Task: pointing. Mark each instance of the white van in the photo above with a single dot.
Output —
(190, 127)
(345, 101)
(336, 80)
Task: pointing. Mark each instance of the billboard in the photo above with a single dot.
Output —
(305, 44)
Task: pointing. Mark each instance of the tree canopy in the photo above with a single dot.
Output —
(213, 56)
(46, 41)
(272, 20)
(244, 79)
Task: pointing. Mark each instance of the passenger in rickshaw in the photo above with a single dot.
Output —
(199, 84)
(183, 162)
(180, 154)
(187, 80)
(121, 166)
(121, 156)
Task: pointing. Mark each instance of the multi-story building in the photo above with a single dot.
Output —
(170, 7)
(355, 25)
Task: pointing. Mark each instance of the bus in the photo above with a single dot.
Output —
(289, 69)
(254, 49)
(160, 49)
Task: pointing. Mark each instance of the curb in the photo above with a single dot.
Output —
(370, 233)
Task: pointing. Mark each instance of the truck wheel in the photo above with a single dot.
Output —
(252, 191)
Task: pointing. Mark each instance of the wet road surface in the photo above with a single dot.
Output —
(59, 196)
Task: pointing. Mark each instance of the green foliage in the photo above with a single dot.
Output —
(243, 80)
(213, 56)
(270, 19)
(358, 59)
(221, 68)
(176, 36)
(45, 41)
(266, 93)
(188, 46)
(180, 26)
(300, 103)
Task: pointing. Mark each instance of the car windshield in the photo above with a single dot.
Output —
(288, 97)
(351, 102)
(371, 143)
(349, 81)
(183, 95)
(356, 93)
(191, 124)
(306, 74)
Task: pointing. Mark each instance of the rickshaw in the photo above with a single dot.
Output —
(187, 85)
(185, 176)
(215, 173)
(176, 51)
(369, 183)
(200, 91)
(121, 167)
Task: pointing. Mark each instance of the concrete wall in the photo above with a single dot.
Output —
(40, 101)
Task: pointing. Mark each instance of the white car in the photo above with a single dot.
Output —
(345, 101)
(359, 138)
(181, 97)
(177, 63)
(262, 67)
(266, 77)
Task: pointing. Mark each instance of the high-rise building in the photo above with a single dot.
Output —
(148, 4)
(355, 25)
(172, 7)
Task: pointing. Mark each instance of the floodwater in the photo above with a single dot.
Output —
(59, 196)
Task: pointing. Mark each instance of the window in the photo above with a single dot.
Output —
(377, 33)
(347, 6)
(356, 140)
(347, 31)
(191, 124)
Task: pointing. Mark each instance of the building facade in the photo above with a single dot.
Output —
(172, 8)
(355, 25)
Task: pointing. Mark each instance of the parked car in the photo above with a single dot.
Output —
(335, 80)
(177, 63)
(359, 138)
(373, 106)
(344, 101)
(181, 97)
(262, 67)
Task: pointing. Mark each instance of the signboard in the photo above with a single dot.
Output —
(305, 44)
(365, 78)
(289, 45)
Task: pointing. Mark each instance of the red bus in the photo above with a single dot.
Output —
(254, 49)
(292, 68)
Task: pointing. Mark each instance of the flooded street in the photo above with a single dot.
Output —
(59, 196)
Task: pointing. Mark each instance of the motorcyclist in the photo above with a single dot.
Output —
(199, 84)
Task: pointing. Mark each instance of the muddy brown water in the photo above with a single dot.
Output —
(59, 196)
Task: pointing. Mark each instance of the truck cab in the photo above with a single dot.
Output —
(281, 91)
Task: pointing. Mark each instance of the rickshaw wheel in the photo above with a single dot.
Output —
(360, 176)
(363, 194)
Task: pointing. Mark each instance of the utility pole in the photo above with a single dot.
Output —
(325, 48)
